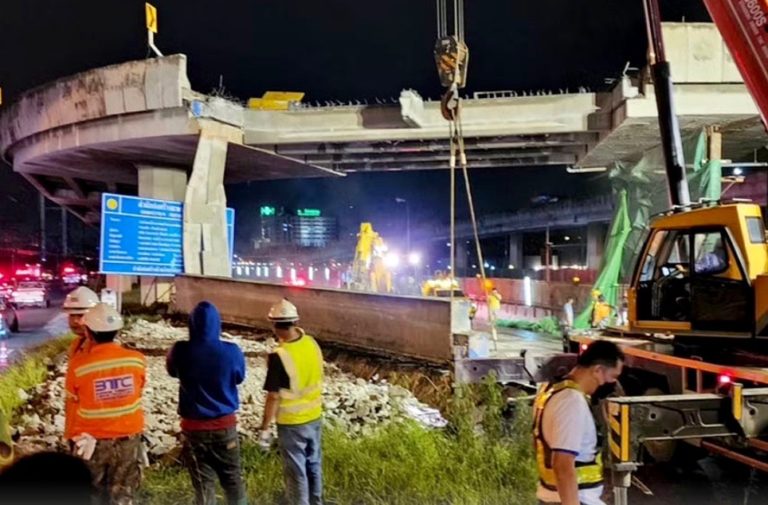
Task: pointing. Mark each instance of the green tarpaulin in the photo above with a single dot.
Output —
(641, 191)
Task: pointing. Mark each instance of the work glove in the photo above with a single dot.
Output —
(143, 453)
(265, 440)
(85, 444)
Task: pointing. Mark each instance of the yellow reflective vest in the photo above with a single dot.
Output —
(588, 474)
(303, 362)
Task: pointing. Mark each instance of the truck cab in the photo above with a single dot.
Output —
(703, 273)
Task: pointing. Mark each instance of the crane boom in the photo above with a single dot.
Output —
(744, 27)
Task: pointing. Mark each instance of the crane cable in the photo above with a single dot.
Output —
(451, 103)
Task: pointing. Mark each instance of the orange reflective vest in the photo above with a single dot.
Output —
(105, 386)
(79, 346)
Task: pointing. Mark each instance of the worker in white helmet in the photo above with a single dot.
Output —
(106, 384)
(76, 304)
(294, 386)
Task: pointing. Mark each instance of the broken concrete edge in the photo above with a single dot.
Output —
(389, 325)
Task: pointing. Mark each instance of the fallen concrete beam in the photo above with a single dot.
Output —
(383, 324)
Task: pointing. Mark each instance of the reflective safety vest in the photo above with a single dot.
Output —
(600, 312)
(588, 474)
(494, 301)
(105, 385)
(303, 363)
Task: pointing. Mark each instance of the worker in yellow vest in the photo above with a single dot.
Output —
(294, 386)
(494, 305)
(568, 451)
(601, 313)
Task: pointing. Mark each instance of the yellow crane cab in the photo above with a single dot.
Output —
(703, 274)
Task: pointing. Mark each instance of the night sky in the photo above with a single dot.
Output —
(341, 50)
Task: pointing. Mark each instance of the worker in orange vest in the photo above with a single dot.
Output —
(76, 304)
(106, 384)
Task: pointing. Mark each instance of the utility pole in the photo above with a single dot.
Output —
(64, 244)
(548, 256)
(42, 226)
(407, 223)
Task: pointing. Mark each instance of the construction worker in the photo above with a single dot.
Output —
(209, 371)
(494, 304)
(294, 386)
(106, 385)
(568, 317)
(568, 451)
(601, 312)
(76, 304)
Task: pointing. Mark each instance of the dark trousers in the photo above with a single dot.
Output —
(211, 454)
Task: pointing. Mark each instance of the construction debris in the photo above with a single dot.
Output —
(355, 405)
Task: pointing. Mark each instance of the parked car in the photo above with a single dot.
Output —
(31, 294)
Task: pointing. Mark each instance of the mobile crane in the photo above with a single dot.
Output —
(698, 297)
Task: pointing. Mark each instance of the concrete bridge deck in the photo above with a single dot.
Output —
(92, 132)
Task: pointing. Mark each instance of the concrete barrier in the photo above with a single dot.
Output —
(392, 325)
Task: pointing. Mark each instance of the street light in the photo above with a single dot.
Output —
(407, 222)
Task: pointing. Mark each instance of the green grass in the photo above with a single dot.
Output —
(28, 373)
(544, 325)
(479, 459)
(474, 461)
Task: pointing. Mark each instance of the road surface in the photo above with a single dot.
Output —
(36, 326)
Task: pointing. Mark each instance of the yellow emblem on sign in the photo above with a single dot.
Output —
(151, 13)
(112, 204)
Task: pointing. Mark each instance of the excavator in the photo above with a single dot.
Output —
(703, 271)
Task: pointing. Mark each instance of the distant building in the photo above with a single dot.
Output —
(303, 228)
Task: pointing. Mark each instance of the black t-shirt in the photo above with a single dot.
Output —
(277, 377)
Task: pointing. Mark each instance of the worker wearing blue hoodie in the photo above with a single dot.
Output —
(209, 371)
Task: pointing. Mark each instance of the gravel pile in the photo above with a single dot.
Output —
(356, 405)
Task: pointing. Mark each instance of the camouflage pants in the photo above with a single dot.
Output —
(116, 469)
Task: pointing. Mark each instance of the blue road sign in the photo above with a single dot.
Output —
(143, 236)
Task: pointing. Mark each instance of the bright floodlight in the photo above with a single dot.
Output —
(738, 171)
(391, 260)
(414, 259)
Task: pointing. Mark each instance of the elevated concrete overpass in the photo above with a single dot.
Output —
(141, 124)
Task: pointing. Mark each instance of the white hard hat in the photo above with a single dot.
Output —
(103, 317)
(283, 312)
(80, 300)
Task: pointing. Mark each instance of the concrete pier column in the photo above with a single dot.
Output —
(515, 253)
(462, 258)
(595, 243)
(161, 183)
(206, 249)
